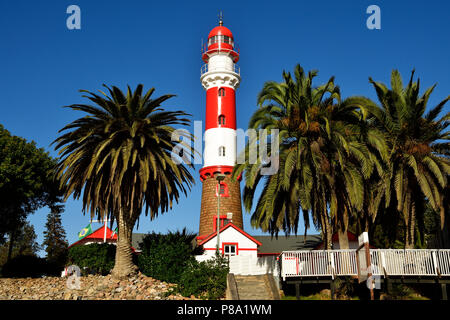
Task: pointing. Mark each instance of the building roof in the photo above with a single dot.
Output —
(98, 234)
(230, 225)
(272, 245)
(269, 244)
(220, 30)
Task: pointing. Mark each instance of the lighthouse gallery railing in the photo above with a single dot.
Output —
(205, 69)
(389, 262)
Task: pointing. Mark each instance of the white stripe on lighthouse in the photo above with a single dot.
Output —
(215, 138)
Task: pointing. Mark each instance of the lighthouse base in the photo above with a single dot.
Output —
(230, 203)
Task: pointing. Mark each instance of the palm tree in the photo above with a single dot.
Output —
(322, 163)
(118, 157)
(418, 164)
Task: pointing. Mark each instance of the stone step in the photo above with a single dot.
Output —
(253, 288)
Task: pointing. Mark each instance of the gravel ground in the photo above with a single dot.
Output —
(91, 287)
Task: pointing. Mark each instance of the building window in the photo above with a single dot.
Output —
(222, 223)
(222, 151)
(229, 250)
(222, 120)
(221, 92)
(222, 190)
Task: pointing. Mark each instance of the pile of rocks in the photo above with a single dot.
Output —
(90, 287)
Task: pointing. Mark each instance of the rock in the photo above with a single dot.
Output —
(92, 287)
(325, 292)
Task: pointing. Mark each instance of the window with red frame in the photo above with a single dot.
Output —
(222, 190)
(229, 250)
(222, 223)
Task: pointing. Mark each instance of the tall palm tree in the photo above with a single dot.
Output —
(118, 157)
(418, 148)
(322, 163)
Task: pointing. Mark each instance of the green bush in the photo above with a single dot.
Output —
(165, 256)
(94, 258)
(170, 257)
(24, 266)
(345, 287)
(165, 262)
(206, 280)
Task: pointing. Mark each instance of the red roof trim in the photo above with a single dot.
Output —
(98, 234)
(212, 235)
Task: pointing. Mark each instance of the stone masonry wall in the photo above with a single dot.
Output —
(227, 204)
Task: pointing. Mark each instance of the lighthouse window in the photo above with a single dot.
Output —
(222, 120)
(222, 222)
(228, 40)
(213, 40)
(221, 92)
(222, 190)
(222, 151)
(220, 38)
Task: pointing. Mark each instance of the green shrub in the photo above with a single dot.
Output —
(206, 280)
(94, 258)
(345, 287)
(24, 266)
(165, 256)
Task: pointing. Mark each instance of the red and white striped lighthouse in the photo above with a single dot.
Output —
(220, 77)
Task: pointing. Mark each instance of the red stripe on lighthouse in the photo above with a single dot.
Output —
(220, 105)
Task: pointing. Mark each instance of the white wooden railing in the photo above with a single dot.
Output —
(385, 262)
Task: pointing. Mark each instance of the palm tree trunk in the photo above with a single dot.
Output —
(124, 266)
(328, 233)
(343, 238)
(342, 229)
(443, 234)
(410, 227)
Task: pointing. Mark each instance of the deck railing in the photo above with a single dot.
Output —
(385, 262)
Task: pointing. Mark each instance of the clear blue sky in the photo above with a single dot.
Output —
(157, 43)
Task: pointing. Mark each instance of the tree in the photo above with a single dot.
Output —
(118, 158)
(55, 241)
(165, 256)
(418, 149)
(323, 161)
(24, 244)
(26, 183)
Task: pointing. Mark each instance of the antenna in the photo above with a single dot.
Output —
(220, 18)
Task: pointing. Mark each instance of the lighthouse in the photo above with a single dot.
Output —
(220, 77)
